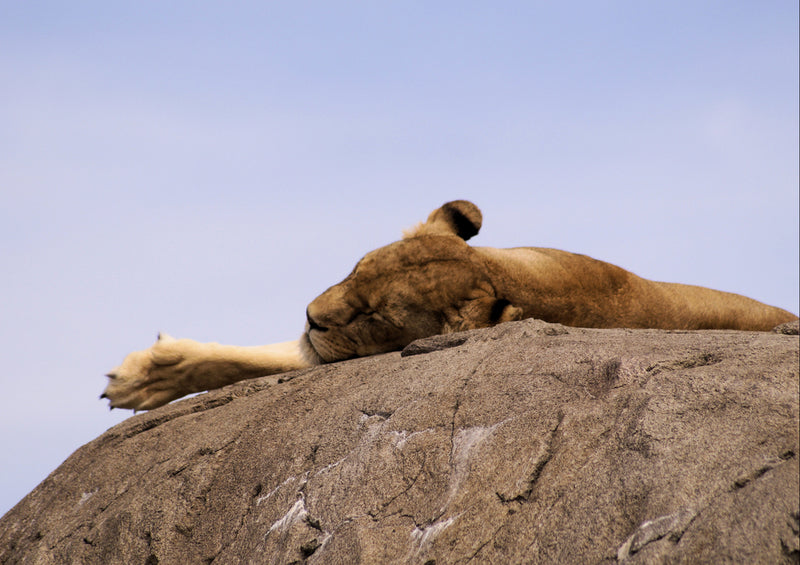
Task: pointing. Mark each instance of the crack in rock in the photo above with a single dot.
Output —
(546, 452)
(702, 360)
(383, 414)
(762, 470)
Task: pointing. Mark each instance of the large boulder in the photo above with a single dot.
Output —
(524, 443)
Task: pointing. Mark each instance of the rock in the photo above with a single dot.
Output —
(527, 442)
(434, 343)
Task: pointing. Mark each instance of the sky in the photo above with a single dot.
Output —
(207, 168)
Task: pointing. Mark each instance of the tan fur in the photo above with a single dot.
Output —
(432, 282)
(176, 367)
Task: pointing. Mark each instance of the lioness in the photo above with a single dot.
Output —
(432, 282)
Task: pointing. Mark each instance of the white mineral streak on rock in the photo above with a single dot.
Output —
(86, 496)
(655, 529)
(463, 442)
(295, 514)
(422, 538)
(333, 465)
(400, 438)
(271, 493)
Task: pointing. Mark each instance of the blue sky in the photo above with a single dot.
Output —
(208, 168)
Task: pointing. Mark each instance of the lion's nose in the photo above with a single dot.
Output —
(313, 324)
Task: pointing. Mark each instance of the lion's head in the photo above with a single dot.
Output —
(431, 282)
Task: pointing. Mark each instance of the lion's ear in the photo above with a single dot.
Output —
(459, 217)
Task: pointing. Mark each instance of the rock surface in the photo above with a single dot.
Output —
(524, 443)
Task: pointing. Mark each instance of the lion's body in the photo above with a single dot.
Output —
(433, 282)
(576, 290)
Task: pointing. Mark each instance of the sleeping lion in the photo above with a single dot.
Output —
(432, 282)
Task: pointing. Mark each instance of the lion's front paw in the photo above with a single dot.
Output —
(150, 378)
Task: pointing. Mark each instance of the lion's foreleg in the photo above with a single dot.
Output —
(219, 365)
(176, 367)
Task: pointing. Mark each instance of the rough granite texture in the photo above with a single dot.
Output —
(524, 443)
